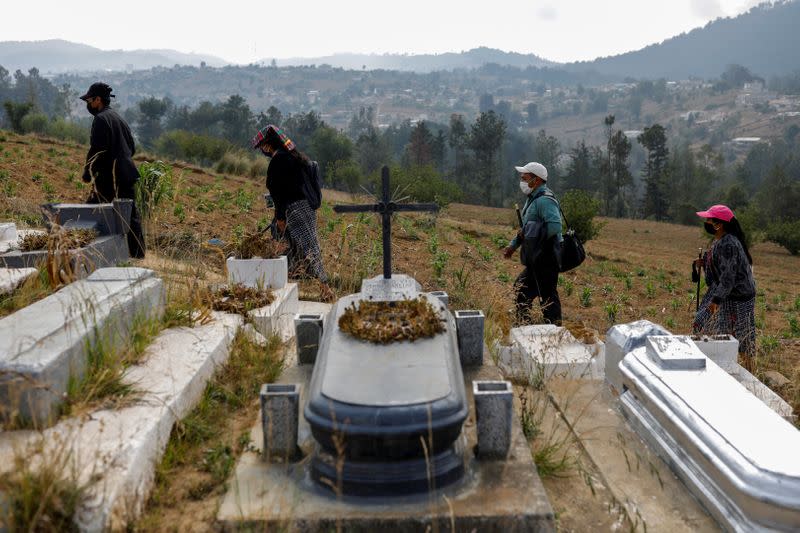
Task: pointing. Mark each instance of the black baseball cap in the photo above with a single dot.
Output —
(98, 89)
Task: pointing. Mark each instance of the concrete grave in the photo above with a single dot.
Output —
(384, 424)
(109, 249)
(258, 273)
(115, 452)
(621, 340)
(45, 344)
(495, 496)
(8, 231)
(736, 455)
(10, 236)
(759, 390)
(11, 278)
(543, 351)
(393, 397)
(267, 320)
(724, 350)
(442, 295)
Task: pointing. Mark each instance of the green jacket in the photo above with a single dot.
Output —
(543, 209)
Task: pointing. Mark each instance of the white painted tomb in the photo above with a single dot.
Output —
(268, 319)
(122, 447)
(724, 350)
(10, 236)
(8, 231)
(45, 344)
(11, 278)
(735, 454)
(543, 351)
(258, 273)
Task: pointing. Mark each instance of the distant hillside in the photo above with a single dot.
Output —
(765, 39)
(475, 58)
(58, 56)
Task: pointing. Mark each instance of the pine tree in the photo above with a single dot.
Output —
(485, 139)
(656, 198)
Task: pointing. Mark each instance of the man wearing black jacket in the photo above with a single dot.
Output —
(109, 163)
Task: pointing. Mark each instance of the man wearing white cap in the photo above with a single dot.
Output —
(540, 276)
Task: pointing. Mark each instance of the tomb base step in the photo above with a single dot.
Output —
(381, 478)
(494, 496)
(267, 320)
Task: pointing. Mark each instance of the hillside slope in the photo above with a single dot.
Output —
(765, 40)
(58, 56)
(635, 270)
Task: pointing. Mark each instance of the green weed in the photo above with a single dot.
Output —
(180, 212)
(794, 326)
(768, 343)
(44, 497)
(586, 297)
(611, 310)
(203, 440)
(500, 241)
(650, 289)
(439, 263)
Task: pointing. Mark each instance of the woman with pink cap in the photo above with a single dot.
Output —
(728, 306)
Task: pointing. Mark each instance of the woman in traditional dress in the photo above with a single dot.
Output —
(728, 306)
(294, 217)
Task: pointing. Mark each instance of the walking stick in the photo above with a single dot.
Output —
(519, 215)
(697, 301)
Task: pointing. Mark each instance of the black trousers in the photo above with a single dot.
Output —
(541, 282)
(106, 194)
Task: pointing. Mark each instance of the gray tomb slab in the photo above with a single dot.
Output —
(736, 455)
(384, 400)
(111, 221)
(45, 344)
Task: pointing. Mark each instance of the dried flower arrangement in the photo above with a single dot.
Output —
(256, 244)
(386, 322)
(67, 240)
(240, 299)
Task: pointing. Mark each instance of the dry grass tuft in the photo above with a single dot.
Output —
(386, 322)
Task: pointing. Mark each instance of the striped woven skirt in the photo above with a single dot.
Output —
(301, 224)
(733, 317)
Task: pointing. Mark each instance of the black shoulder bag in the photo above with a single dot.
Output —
(572, 253)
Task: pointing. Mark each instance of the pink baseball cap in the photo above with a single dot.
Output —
(719, 211)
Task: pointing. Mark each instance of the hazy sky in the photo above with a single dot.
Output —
(242, 32)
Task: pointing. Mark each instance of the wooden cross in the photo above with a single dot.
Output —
(386, 208)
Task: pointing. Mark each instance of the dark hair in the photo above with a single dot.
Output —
(276, 144)
(734, 228)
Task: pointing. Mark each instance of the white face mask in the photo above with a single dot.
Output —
(524, 187)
